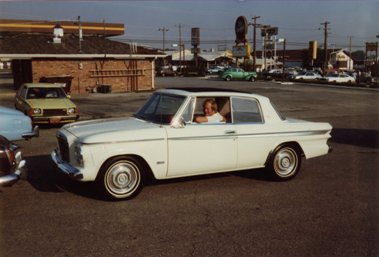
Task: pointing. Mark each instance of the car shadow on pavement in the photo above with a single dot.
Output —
(356, 137)
(44, 176)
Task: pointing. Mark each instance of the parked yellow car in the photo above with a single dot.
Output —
(46, 103)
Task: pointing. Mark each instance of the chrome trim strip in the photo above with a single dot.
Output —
(125, 141)
(289, 133)
(297, 133)
(204, 137)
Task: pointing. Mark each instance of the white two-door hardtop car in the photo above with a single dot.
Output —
(162, 139)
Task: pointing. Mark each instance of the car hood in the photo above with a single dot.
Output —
(50, 103)
(114, 130)
(14, 125)
(9, 111)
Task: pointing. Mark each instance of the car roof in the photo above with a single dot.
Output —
(204, 91)
(45, 85)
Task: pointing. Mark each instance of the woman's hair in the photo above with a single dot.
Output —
(212, 102)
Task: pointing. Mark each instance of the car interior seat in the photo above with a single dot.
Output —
(224, 108)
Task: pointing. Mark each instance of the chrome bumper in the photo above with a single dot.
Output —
(12, 178)
(34, 133)
(65, 167)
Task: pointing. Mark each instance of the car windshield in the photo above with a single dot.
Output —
(44, 92)
(160, 108)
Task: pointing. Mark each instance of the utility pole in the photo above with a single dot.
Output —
(255, 39)
(180, 45)
(164, 30)
(326, 23)
(80, 34)
(349, 63)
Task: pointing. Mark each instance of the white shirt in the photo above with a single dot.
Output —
(215, 118)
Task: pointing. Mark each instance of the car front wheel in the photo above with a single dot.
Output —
(228, 78)
(285, 163)
(120, 178)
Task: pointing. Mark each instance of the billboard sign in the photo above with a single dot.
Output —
(241, 51)
(195, 36)
(269, 31)
(240, 28)
(371, 46)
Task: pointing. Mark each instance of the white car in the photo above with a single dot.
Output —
(162, 139)
(339, 78)
(309, 75)
(215, 70)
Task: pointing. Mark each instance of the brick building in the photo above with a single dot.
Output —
(82, 60)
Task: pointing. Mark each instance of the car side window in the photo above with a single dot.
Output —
(245, 110)
(22, 92)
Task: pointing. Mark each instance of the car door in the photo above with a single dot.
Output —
(240, 74)
(253, 146)
(200, 148)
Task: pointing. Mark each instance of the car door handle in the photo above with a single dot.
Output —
(229, 132)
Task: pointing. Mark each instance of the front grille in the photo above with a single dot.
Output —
(54, 112)
(63, 148)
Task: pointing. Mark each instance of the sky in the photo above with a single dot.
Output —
(298, 21)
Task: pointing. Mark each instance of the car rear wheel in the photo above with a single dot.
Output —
(252, 79)
(121, 178)
(228, 78)
(285, 163)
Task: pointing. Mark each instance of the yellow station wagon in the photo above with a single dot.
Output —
(46, 103)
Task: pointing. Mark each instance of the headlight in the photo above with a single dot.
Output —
(71, 110)
(79, 155)
(35, 111)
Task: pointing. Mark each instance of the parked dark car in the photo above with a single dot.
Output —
(166, 72)
(11, 162)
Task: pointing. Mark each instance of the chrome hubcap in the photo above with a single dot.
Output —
(285, 162)
(123, 178)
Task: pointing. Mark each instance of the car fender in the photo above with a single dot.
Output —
(150, 152)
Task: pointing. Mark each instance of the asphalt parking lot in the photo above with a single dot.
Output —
(329, 209)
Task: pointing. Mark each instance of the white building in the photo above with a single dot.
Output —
(341, 60)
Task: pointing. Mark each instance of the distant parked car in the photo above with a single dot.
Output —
(238, 74)
(339, 78)
(308, 75)
(46, 103)
(215, 70)
(275, 71)
(166, 72)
